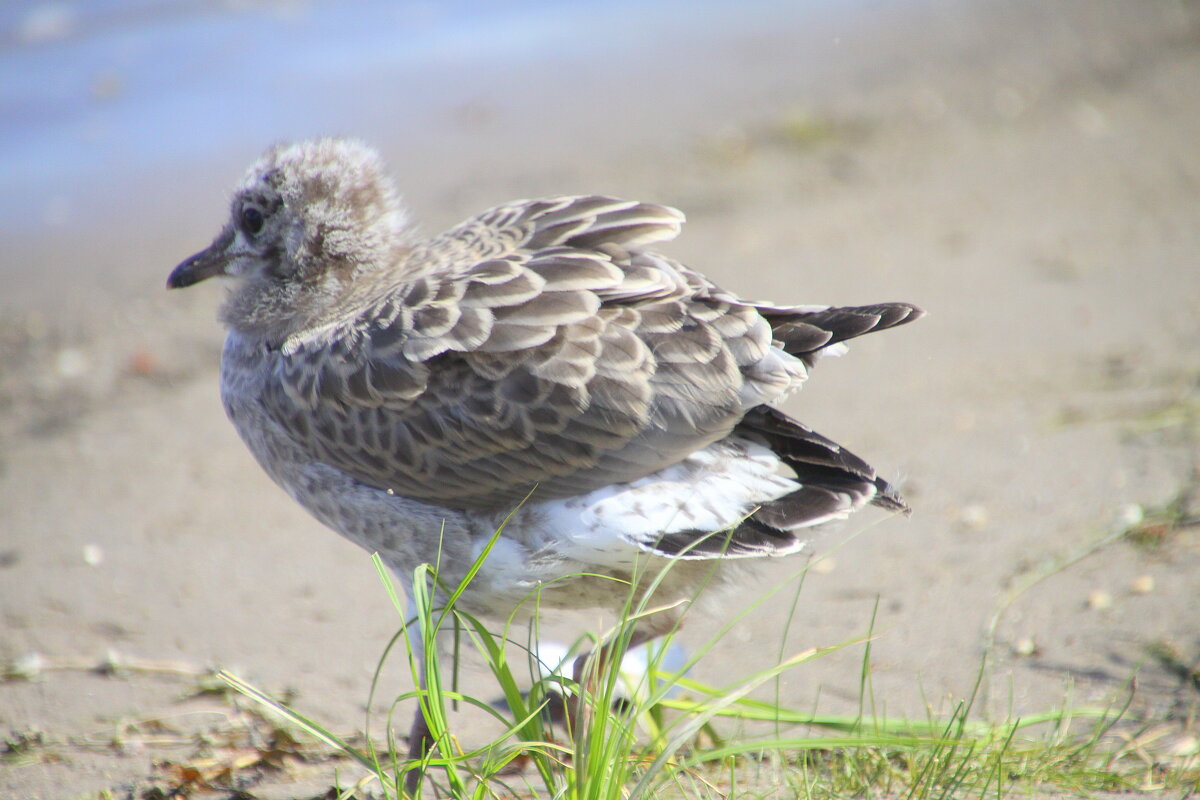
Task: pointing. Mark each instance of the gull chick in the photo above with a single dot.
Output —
(540, 360)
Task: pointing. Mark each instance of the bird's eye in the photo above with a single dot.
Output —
(252, 220)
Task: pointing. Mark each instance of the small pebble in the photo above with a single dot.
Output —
(26, 667)
(823, 566)
(974, 517)
(1025, 646)
(113, 661)
(1099, 600)
(1130, 515)
(70, 363)
(1142, 584)
(143, 362)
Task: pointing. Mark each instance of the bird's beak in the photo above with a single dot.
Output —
(204, 265)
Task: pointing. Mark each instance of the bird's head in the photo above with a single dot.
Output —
(308, 220)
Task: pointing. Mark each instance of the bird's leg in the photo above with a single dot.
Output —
(640, 636)
(420, 738)
(650, 627)
(420, 741)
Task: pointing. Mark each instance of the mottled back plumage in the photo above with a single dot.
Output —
(541, 351)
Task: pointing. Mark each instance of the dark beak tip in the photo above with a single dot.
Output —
(202, 266)
(179, 277)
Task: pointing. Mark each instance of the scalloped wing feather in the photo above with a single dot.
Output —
(538, 345)
(545, 350)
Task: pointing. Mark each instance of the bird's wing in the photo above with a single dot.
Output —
(545, 350)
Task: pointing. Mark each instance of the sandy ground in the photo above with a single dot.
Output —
(1027, 172)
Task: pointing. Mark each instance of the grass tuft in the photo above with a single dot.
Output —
(658, 734)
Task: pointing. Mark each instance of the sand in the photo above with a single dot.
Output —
(1027, 172)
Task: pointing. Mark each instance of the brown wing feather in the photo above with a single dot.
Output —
(546, 350)
(539, 346)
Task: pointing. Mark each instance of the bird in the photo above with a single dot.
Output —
(540, 370)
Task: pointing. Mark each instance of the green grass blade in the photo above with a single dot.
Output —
(314, 729)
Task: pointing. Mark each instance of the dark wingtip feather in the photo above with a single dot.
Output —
(889, 499)
(796, 328)
(747, 538)
(833, 483)
(894, 314)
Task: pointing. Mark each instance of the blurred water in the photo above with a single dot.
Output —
(93, 94)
